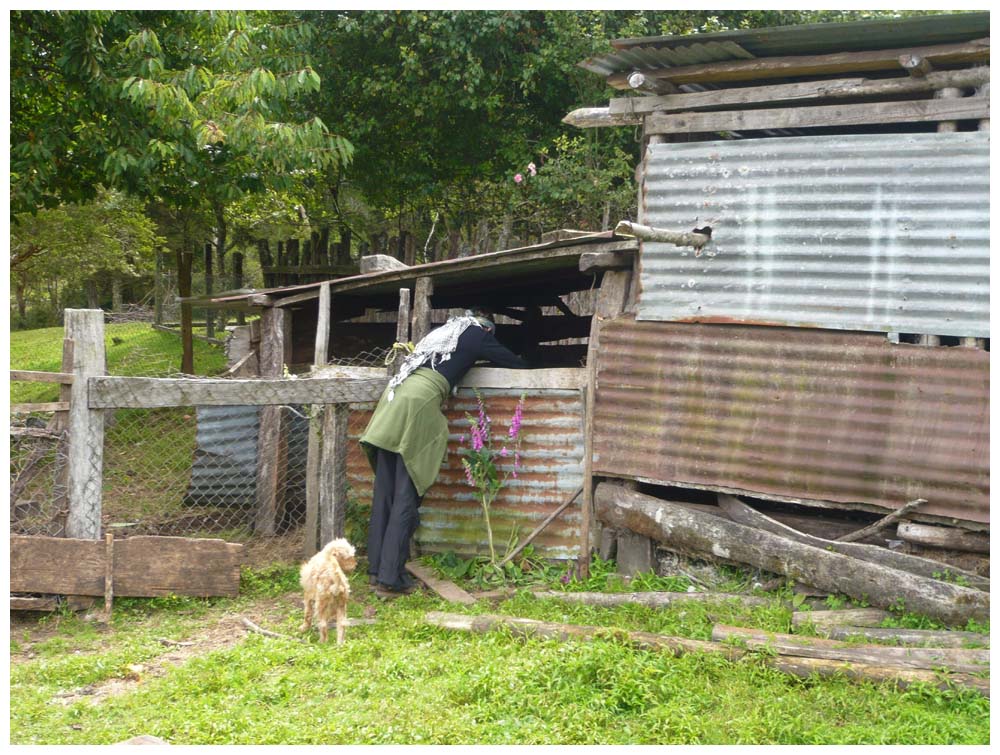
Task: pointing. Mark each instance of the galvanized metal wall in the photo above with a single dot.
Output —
(552, 452)
(876, 232)
(795, 413)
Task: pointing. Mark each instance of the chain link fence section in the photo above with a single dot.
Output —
(38, 481)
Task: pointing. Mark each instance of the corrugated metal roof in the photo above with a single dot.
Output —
(882, 232)
(451, 518)
(794, 413)
(806, 39)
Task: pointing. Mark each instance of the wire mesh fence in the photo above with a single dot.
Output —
(37, 475)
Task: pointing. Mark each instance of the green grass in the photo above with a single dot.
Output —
(402, 681)
(132, 349)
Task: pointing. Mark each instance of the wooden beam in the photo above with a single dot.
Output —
(41, 377)
(45, 406)
(260, 300)
(272, 449)
(976, 51)
(287, 301)
(917, 66)
(333, 473)
(447, 590)
(402, 330)
(85, 448)
(803, 91)
(143, 566)
(698, 535)
(591, 262)
(600, 117)
(35, 432)
(422, 308)
(311, 542)
(553, 378)
(916, 111)
(153, 393)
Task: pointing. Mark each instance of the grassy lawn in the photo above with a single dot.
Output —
(401, 681)
(132, 349)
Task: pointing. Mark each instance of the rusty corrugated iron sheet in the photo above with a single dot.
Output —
(552, 452)
(881, 232)
(795, 413)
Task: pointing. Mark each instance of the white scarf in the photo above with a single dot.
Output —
(438, 346)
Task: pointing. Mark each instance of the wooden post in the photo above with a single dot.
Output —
(85, 448)
(948, 93)
(611, 300)
(209, 280)
(402, 328)
(333, 473)
(422, 308)
(272, 451)
(184, 261)
(984, 91)
(109, 575)
(312, 543)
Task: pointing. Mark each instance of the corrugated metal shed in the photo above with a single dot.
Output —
(807, 39)
(883, 232)
(795, 414)
(451, 518)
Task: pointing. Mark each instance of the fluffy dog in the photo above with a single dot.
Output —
(324, 580)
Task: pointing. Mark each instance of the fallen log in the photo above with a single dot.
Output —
(796, 666)
(826, 620)
(698, 535)
(651, 599)
(944, 537)
(739, 512)
(927, 637)
(953, 659)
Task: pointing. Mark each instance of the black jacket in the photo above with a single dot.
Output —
(476, 344)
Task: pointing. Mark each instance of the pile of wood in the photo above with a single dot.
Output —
(942, 666)
(734, 533)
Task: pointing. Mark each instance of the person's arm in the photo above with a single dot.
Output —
(494, 351)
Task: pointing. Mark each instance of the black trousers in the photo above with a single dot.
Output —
(394, 519)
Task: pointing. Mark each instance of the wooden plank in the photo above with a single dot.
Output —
(85, 447)
(34, 432)
(976, 51)
(333, 473)
(287, 301)
(955, 660)
(824, 620)
(149, 393)
(272, 449)
(41, 377)
(447, 590)
(826, 115)
(952, 538)
(796, 92)
(109, 574)
(924, 567)
(929, 637)
(143, 566)
(18, 603)
(592, 262)
(51, 406)
(422, 308)
(552, 378)
(698, 535)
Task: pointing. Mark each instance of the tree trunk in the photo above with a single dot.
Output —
(266, 260)
(184, 264)
(344, 247)
(22, 301)
(238, 283)
(221, 234)
(291, 260)
(700, 535)
(93, 301)
(209, 288)
(116, 293)
(53, 288)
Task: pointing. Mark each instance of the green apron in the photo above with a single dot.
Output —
(413, 426)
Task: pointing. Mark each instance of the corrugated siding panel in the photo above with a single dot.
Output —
(647, 57)
(886, 232)
(795, 413)
(451, 518)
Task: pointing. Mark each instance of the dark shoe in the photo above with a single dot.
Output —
(390, 591)
(371, 580)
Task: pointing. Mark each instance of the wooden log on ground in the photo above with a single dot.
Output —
(927, 637)
(825, 620)
(447, 590)
(143, 566)
(797, 666)
(650, 599)
(698, 535)
(739, 512)
(952, 538)
(963, 661)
